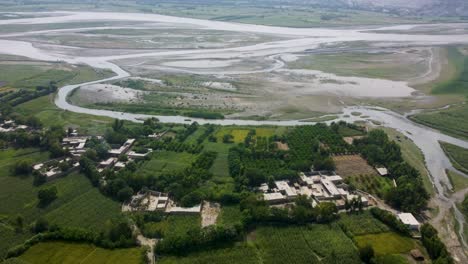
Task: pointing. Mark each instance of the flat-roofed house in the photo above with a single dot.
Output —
(409, 220)
(284, 187)
(382, 171)
(273, 198)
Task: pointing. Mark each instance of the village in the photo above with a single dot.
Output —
(318, 186)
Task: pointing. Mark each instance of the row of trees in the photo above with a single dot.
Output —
(434, 246)
(116, 234)
(410, 194)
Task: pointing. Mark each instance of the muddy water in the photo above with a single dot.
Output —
(304, 39)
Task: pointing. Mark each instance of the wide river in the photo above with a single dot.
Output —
(425, 138)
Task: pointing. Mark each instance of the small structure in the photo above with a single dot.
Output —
(11, 126)
(75, 144)
(108, 163)
(417, 255)
(382, 171)
(350, 140)
(53, 169)
(123, 149)
(158, 135)
(136, 155)
(184, 210)
(274, 198)
(147, 201)
(409, 220)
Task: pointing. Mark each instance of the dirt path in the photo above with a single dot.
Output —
(144, 241)
(210, 212)
(444, 223)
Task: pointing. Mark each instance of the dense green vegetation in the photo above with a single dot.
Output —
(436, 249)
(410, 194)
(258, 159)
(65, 252)
(193, 163)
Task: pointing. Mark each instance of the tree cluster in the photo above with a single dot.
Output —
(410, 194)
(434, 246)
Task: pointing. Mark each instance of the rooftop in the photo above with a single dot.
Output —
(408, 219)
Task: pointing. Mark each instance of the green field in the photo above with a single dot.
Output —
(387, 243)
(459, 182)
(458, 84)
(457, 155)
(167, 161)
(237, 254)
(453, 82)
(50, 115)
(24, 75)
(362, 64)
(172, 225)
(451, 121)
(64, 252)
(361, 224)
(373, 184)
(238, 134)
(229, 215)
(79, 204)
(305, 245)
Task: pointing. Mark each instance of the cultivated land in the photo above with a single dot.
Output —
(216, 73)
(327, 244)
(352, 165)
(63, 252)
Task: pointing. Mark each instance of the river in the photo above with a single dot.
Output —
(425, 138)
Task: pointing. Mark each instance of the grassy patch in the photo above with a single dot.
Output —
(458, 84)
(239, 135)
(451, 121)
(458, 181)
(63, 252)
(458, 156)
(386, 243)
(172, 224)
(49, 114)
(361, 224)
(79, 204)
(230, 214)
(305, 245)
(265, 132)
(220, 165)
(373, 184)
(167, 161)
(34, 74)
(237, 254)
(391, 259)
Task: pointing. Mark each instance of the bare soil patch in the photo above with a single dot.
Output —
(350, 140)
(351, 165)
(282, 146)
(209, 214)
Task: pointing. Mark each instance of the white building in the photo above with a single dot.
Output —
(409, 220)
(382, 171)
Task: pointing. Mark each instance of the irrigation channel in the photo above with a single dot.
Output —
(425, 138)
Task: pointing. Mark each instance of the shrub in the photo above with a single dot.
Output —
(47, 195)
